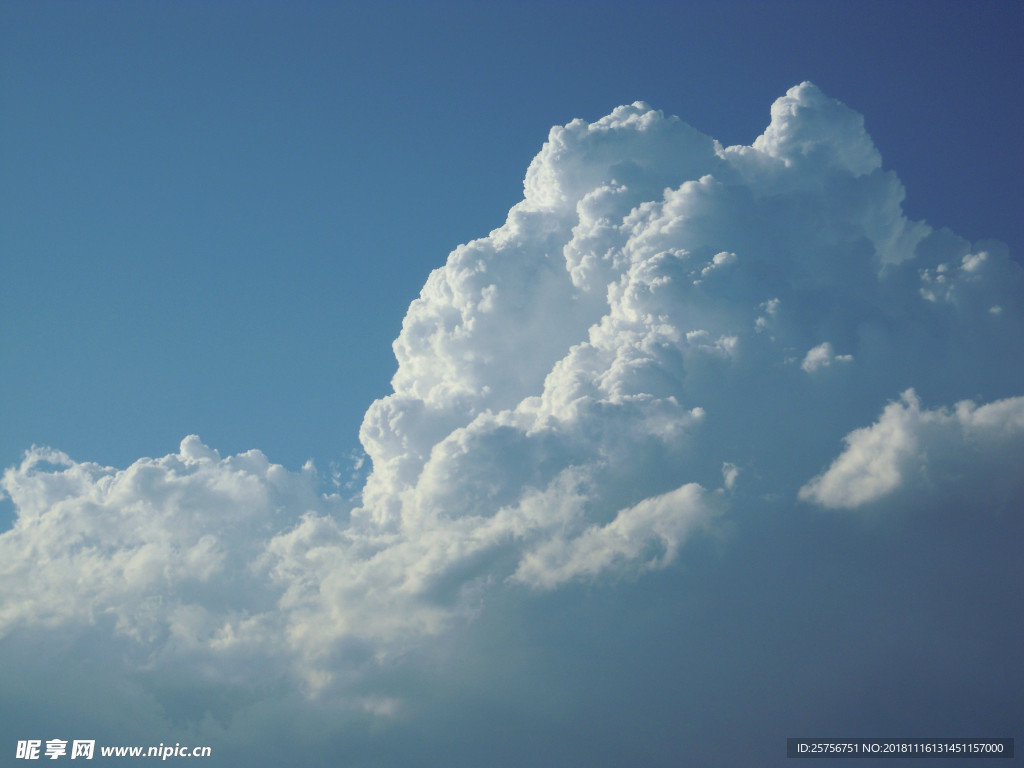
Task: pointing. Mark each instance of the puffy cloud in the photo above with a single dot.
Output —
(822, 356)
(969, 450)
(163, 551)
(644, 350)
(818, 133)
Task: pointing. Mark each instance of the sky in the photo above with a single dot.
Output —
(464, 383)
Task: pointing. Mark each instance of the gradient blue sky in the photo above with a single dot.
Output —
(213, 219)
(215, 214)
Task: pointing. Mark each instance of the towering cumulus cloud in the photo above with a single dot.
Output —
(666, 336)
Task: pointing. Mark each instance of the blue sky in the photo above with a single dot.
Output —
(777, 498)
(277, 181)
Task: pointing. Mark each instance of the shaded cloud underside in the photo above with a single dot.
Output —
(664, 335)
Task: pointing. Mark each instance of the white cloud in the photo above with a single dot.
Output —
(664, 521)
(574, 394)
(164, 550)
(819, 134)
(718, 261)
(822, 356)
(969, 450)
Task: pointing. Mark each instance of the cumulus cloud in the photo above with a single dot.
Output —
(968, 449)
(164, 552)
(637, 354)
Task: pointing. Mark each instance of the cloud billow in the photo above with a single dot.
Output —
(665, 335)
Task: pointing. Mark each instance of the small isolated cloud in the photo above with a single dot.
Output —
(718, 261)
(822, 356)
(574, 394)
(729, 473)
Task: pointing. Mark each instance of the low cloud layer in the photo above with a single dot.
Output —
(664, 339)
